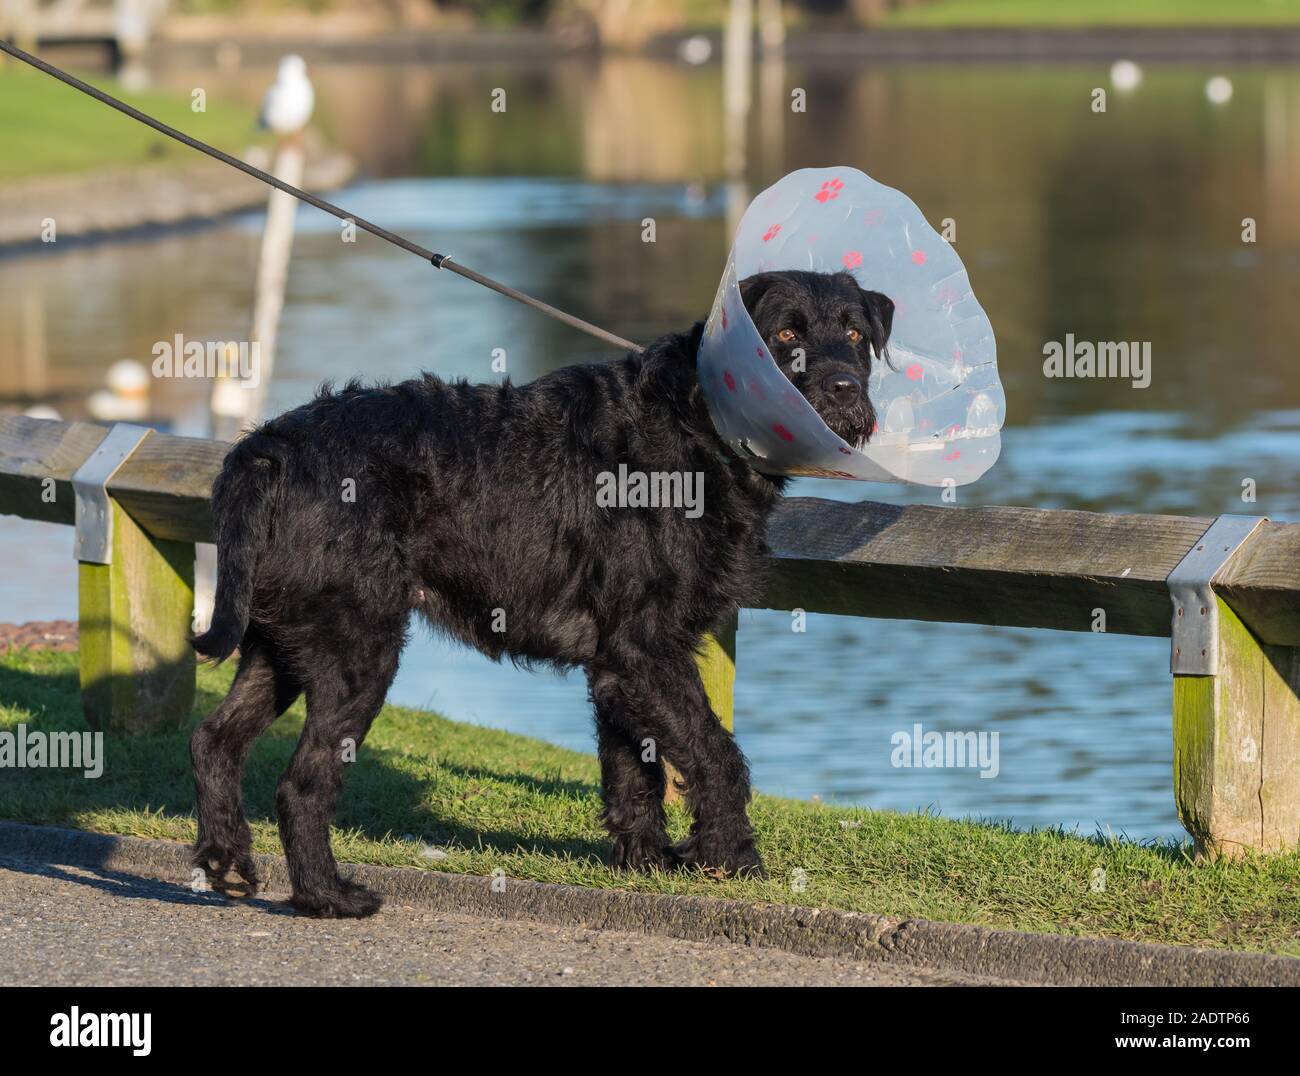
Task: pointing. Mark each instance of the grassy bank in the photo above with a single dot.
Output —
(47, 127)
(486, 800)
(939, 14)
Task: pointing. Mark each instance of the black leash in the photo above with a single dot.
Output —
(439, 261)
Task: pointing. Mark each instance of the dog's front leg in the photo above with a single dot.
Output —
(662, 704)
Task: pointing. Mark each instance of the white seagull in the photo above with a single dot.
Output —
(289, 101)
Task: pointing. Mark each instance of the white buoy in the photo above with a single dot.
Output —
(1218, 90)
(695, 50)
(43, 411)
(1125, 75)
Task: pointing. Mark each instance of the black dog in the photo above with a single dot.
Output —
(475, 505)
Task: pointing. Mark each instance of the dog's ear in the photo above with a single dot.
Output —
(753, 288)
(879, 310)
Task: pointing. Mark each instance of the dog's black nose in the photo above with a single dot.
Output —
(842, 388)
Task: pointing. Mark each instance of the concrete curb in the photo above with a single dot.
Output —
(1003, 954)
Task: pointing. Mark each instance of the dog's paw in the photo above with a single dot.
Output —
(346, 901)
(230, 872)
(642, 852)
(718, 858)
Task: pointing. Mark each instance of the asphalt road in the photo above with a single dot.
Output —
(63, 925)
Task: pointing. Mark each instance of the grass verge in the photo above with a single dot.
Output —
(47, 127)
(486, 799)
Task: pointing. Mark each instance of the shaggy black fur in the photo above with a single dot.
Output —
(475, 506)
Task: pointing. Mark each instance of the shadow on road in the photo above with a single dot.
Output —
(132, 886)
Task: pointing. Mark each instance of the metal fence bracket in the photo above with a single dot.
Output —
(1195, 650)
(90, 487)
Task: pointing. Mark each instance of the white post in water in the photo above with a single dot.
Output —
(237, 397)
(132, 24)
(771, 25)
(273, 270)
(772, 100)
(131, 19)
(737, 68)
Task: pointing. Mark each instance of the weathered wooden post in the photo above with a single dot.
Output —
(1237, 746)
(1236, 711)
(136, 601)
(717, 665)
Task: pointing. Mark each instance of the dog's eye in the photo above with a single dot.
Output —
(787, 336)
(854, 336)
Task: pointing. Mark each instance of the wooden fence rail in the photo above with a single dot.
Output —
(1236, 732)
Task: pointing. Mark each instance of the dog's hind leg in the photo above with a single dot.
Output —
(262, 690)
(345, 687)
(632, 788)
(664, 701)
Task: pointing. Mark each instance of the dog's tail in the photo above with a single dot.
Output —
(243, 498)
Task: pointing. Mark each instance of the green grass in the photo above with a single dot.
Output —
(1065, 13)
(47, 127)
(492, 800)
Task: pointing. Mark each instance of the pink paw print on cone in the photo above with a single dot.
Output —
(771, 232)
(830, 189)
(852, 259)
